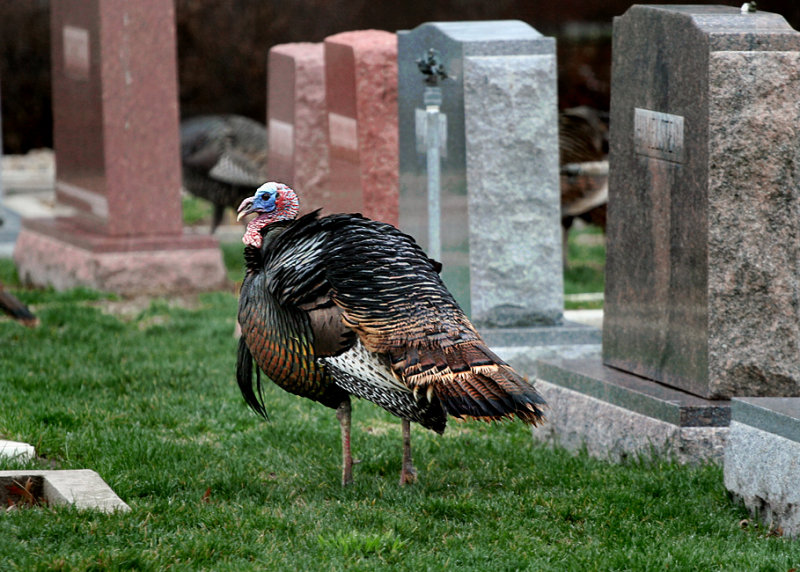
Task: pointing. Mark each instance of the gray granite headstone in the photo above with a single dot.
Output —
(703, 262)
(501, 242)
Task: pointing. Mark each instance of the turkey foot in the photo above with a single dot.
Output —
(408, 474)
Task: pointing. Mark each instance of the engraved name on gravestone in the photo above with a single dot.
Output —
(658, 135)
(703, 261)
(500, 209)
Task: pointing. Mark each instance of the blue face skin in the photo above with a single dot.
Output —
(264, 200)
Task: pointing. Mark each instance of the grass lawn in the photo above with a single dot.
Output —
(145, 395)
(585, 272)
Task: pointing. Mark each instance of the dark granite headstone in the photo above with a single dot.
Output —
(115, 118)
(703, 263)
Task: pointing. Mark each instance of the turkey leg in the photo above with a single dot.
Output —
(343, 415)
(408, 474)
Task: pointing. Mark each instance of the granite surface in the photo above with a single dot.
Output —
(703, 259)
(499, 171)
(115, 115)
(361, 94)
(778, 415)
(763, 470)
(116, 137)
(298, 122)
(134, 267)
(511, 131)
(576, 420)
(634, 393)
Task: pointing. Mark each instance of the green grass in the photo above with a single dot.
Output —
(196, 210)
(585, 271)
(148, 399)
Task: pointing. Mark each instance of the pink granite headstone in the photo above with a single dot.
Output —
(361, 92)
(115, 120)
(298, 126)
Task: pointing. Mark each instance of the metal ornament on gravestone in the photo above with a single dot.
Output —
(431, 130)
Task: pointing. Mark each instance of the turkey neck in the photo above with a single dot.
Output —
(254, 256)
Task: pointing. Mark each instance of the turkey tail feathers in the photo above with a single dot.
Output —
(244, 376)
(471, 381)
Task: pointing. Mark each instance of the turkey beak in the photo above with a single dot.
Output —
(245, 208)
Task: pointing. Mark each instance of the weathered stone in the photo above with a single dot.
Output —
(616, 414)
(576, 420)
(83, 488)
(16, 450)
(762, 460)
(703, 261)
(115, 114)
(298, 122)
(361, 93)
(150, 267)
(500, 233)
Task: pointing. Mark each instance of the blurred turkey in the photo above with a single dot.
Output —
(344, 305)
(223, 158)
(583, 158)
(16, 309)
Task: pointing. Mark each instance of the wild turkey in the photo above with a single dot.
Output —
(344, 305)
(583, 140)
(16, 309)
(223, 158)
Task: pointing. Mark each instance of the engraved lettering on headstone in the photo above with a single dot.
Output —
(658, 135)
(76, 52)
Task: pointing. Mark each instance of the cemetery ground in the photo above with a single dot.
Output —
(145, 395)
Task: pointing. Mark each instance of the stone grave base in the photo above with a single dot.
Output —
(616, 415)
(59, 253)
(84, 489)
(762, 459)
(524, 347)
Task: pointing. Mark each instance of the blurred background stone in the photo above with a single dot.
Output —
(226, 72)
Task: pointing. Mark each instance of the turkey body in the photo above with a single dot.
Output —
(223, 157)
(583, 139)
(342, 305)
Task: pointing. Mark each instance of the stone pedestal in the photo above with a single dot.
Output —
(703, 263)
(762, 459)
(115, 116)
(298, 122)
(616, 415)
(500, 219)
(361, 92)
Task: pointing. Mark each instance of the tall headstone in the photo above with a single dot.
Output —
(361, 93)
(703, 264)
(115, 119)
(298, 122)
(703, 257)
(500, 219)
